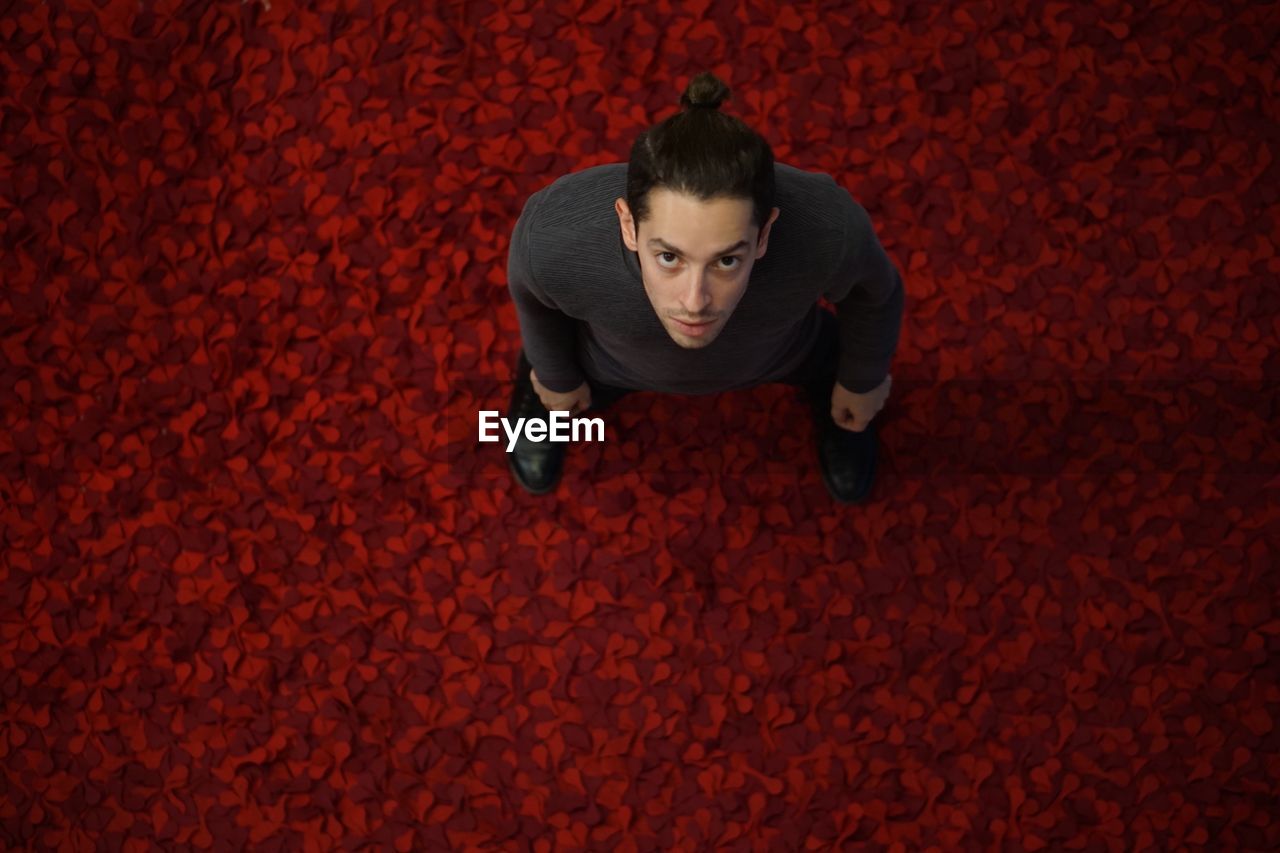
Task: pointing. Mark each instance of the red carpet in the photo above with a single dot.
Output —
(261, 588)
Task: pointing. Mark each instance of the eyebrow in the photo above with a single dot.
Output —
(658, 241)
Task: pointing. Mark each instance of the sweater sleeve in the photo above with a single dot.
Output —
(869, 297)
(549, 335)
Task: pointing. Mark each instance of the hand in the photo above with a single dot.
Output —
(854, 411)
(574, 402)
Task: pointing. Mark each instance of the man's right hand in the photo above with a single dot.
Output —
(574, 402)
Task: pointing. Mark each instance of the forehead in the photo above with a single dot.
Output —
(679, 215)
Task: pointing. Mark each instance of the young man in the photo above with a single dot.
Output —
(676, 273)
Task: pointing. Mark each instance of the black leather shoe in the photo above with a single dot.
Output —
(848, 461)
(536, 465)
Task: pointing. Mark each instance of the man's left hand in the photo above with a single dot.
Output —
(854, 411)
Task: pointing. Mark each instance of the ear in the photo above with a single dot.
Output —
(762, 243)
(627, 224)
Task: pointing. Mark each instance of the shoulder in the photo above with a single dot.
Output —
(808, 240)
(815, 201)
(817, 186)
(820, 187)
(569, 228)
(572, 199)
(574, 207)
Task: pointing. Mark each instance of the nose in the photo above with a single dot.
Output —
(696, 296)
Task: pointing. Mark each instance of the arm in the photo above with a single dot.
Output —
(869, 298)
(548, 333)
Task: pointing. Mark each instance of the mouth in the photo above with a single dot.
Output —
(693, 329)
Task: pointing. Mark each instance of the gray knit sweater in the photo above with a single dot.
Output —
(583, 310)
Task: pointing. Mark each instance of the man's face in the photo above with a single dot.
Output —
(695, 259)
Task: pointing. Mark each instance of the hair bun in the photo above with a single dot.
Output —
(705, 90)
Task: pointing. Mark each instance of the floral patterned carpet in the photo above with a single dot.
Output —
(261, 588)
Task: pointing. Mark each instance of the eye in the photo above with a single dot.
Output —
(736, 261)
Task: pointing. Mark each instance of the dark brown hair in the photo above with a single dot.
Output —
(703, 152)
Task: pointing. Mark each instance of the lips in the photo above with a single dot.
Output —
(693, 329)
